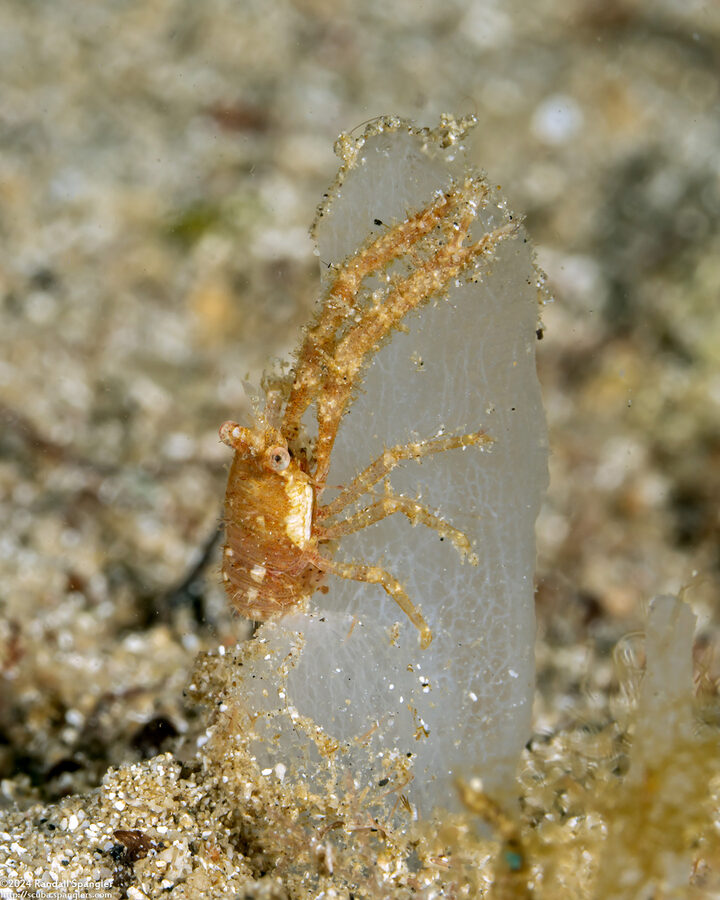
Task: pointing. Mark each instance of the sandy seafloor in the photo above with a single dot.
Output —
(160, 163)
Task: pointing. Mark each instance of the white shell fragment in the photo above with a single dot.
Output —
(464, 361)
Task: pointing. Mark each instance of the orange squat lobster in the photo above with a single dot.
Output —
(276, 525)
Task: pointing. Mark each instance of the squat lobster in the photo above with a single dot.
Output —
(276, 525)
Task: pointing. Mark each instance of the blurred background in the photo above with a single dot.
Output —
(160, 164)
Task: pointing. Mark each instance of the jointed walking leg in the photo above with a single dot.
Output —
(415, 512)
(376, 575)
(390, 458)
(427, 280)
(342, 298)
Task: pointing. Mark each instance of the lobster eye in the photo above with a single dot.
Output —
(278, 458)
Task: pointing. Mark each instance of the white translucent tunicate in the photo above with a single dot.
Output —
(665, 711)
(466, 360)
(672, 760)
